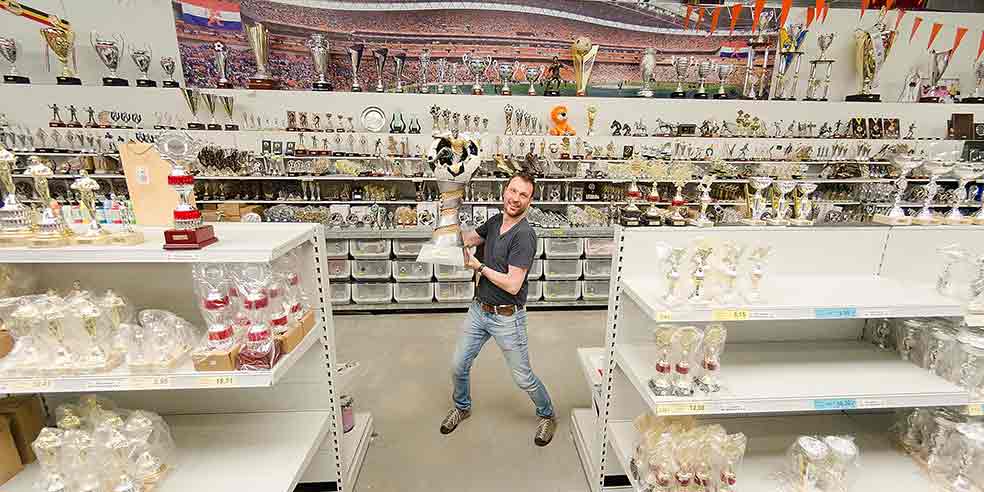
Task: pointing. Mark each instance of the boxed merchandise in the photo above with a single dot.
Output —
(10, 461)
(290, 339)
(26, 420)
(229, 211)
(217, 360)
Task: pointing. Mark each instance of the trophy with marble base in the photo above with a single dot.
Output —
(188, 231)
(904, 163)
(109, 51)
(15, 218)
(804, 207)
(87, 187)
(259, 41)
(756, 206)
(51, 230)
(62, 44)
(8, 49)
(453, 161)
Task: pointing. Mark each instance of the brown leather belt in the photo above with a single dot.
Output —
(502, 310)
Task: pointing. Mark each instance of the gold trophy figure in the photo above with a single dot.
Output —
(62, 43)
(15, 218)
(584, 54)
(873, 47)
(51, 228)
(87, 188)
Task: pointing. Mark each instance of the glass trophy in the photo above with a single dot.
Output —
(941, 164)
(965, 172)
(904, 164)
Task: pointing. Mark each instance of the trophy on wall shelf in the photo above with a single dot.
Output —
(705, 201)
(978, 97)
(789, 57)
(873, 45)
(754, 86)
(51, 230)
(87, 187)
(783, 187)
(220, 65)
(647, 68)
(127, 235)
(817, 88)
(681, 65)
(938, 63)
(424, 59)
(320, 49)
(380, 55)
(454, 77)
(259, 41)
(355, 58)
(399, 63)
(453, 161)
(965, 173)
(192, 97)
(188, 232)
(672, 262)
(109, 51)
(8, 49)
(803, 207)
(477, 65)
(15, 218)
(756, 205)
(703, 70)
(936, 167)
(533, 75)
(167, 65)
(227, 103)
(62, 43)
(210, 100)
(442, 70)
(904, 164)
(723, 70)
(583, 53)
(505, 71)
(142, 58)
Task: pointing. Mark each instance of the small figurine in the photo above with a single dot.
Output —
(551, 87)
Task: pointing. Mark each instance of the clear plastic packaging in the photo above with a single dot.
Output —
(212, 286)
(260, 351)
(168, 337)
(820, 464)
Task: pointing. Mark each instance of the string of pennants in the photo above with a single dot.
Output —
(819, 13)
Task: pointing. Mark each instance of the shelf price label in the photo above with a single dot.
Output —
(835, 404)
(218, 381)
(33, 385)
(975, 410)
(835, 313)
(680, 409)
(729, 315)
(664, 316)
(104, 384)
(150, 382)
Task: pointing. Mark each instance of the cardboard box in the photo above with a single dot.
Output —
(229, 210)
(216, 361)
(10, 461)
(247, 209)
(296, 334)
(6, 343)
(27, 420)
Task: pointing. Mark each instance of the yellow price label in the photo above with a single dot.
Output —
(218, 381)
(150, 382)
(664, 316)
(680, 409)
(29, 385)
(975, 410)
(729, 315)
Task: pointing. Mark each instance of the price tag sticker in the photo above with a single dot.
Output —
(664, 316)
(871, 403)
(761, 315)
(150, 382)
(217, 381)
(875, 313)
(183, 256)
(975, 410)
(680, 409)
(33, 385)
(104, 384)
(835, 313)
(729, 315)
(835, 404)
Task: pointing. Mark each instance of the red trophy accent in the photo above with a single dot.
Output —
(188, 231)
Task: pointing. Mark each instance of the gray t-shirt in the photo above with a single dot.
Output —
(516, 247)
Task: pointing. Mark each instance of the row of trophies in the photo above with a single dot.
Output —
(819, 464)
(733, 276)
(950, 445)
(688, 359)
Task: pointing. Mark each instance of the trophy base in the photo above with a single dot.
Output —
(170, 84)
(446, 255)
(56, 124)
(551, 93)
(783, 98)
(213, 126)
(16, 79)
(678, 95)
(223, 85)
(505, 92)
(753, 222)
(863, 98)
(926, 220)
(701, 95)
(263, 84)
(196, 126)
(477, 91)
(196, 238)
(14, 239)
(720, 96)
(958, 221)
(810, 99)
(581, 93)
(146, 83)
(929, 99)
(231, 128)
(115, 82)
(356, 88)
(49, 240)
(800, 222)
(531, 92)
(68, 81)
(321, 86)
(645, 93)
(701, 223)
(890, 220)
(92, 239)
(777, 222)
(630, 222)
(973, 100)
(652, 221)
(127, 238)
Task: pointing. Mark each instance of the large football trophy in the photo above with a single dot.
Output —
(453, 162)
(109, 50)
(583, 53)
(873, 47)
(259, 40)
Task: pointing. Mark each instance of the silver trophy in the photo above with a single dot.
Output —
(704, 69)
(454, 77)
(8, 49)
(904, 164)
(142, 59)
(821, 64)
(978, 97)
(723, 70)
(442, 68)
(109, 51)
(647, 68)
(938, 63)
(220, 65)
(399, 62)
(533, 75)
(681, 65)
(424, 60)
(355, 57)
(380, 55)
(505, 71)
(453, 161)
(319, 47)
(167, 65)
(477, 66)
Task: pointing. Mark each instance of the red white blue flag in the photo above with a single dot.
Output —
(215, 14)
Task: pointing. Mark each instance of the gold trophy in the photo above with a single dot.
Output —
(87, 187)
(62, 43)
(873, 47)
(259, 40)
(51, 228)
(583, 53)
(15, 218)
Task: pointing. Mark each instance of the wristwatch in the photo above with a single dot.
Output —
(480, 268)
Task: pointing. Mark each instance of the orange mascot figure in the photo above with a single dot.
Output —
(561, 127)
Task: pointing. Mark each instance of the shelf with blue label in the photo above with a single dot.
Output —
(784, 377)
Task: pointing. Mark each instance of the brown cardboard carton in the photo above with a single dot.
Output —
(146, 180)
(27, 419)
(246, 209)
(10, 461)
(216, 361)
(6, 343)
(291, 338)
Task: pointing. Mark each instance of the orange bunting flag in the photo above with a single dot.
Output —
(700, 18)
(961, 31)
(786, 5)
(826, 10)
(889, 4)
(686, 22)
(820, 5)
(714, 18)
(735, 14)
(757, 14)
(898, 20)
(915, 27)
(980, 50)
(864, 6)
(809, 16)
(932, 34)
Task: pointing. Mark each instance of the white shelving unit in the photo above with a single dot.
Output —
(284, 423)
(795, 363)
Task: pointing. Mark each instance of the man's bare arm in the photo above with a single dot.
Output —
(471, 238)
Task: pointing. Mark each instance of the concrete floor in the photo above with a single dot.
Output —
(407, 387)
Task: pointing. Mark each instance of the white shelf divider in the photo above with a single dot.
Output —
(592, 360)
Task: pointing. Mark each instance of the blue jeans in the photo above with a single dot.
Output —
(510, 335)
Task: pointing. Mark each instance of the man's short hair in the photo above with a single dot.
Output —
(525, 176)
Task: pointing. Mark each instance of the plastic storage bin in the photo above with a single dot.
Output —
(370, 248)
(563, 247)
(455, 291)
(374, 293)
(597, 268)
(536, 270)
(595, 290)
(339, 269)
(447, 272)
(337, 248)
(340, 292)
(534, 291)
(561, 290)
(411, 271)
(371, 269)
(413, 292)
(539, 248)
(562, 269)
(598, 247)
(407, 248)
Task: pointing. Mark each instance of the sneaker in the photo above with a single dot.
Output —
(455, 416)
(545, 431)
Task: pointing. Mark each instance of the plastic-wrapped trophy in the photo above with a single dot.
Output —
(188, 232)
(712, 347)
(453, 161)
(661, 384)
(904, 164)
(698, 276)
(873, 47)
(938, 62)
(212, 287)
(109, 51)
(728, 293)
(756, 206)
(15, 218)
(685, 342)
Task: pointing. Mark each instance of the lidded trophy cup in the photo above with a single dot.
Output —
(320, 49)
(259, 41)
(453, 162)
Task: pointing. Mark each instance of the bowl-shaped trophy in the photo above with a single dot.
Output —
(453, 162)
(8, 49)
(109, 50)
(61, 42)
